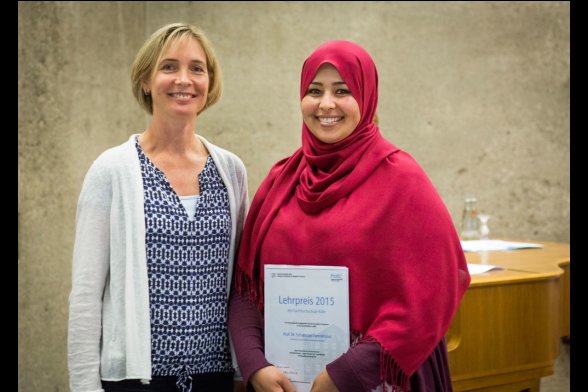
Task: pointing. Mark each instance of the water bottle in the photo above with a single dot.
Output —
(470, 225)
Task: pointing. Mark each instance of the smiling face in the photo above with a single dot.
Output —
(180, 81)
(328, 109)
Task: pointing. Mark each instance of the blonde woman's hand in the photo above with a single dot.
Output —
(271, 379)
(323, 383)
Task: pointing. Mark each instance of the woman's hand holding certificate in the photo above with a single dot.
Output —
(271, 379)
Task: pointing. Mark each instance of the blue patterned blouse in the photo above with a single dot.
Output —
(187, 263)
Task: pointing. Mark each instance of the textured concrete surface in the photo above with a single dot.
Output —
(477, 92)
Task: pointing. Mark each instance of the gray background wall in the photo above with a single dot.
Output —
(477, 92)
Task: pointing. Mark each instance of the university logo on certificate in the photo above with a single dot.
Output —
(306, 319)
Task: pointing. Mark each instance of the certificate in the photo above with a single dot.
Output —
(306, 319)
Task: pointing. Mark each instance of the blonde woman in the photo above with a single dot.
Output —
(157, 225)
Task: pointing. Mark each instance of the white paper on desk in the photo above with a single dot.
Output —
(481, 268)
(306, 319)
(487, 245)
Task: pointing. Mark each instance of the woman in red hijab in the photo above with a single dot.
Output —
(350, 198)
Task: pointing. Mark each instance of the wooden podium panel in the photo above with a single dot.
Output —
(506, 333)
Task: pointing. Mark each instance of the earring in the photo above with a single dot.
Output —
(147, 92)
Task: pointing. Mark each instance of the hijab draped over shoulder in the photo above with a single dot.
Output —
(407, 270)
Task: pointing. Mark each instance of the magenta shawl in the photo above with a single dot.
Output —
(365, 204)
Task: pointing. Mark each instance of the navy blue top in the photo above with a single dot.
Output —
(187, 265)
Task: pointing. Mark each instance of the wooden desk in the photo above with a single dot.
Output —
(506, 333)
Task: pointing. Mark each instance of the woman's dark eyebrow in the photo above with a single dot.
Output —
(334, 83)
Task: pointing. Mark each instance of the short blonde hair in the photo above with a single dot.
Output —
(151, 52)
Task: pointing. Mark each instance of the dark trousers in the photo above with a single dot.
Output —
(212, 382)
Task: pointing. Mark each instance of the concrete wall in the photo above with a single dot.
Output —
(477, 92)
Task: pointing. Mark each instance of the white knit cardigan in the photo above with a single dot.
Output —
(109, 333)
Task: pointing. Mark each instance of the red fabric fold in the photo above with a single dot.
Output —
(365, 204)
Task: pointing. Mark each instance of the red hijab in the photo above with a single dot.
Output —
(362, 203)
